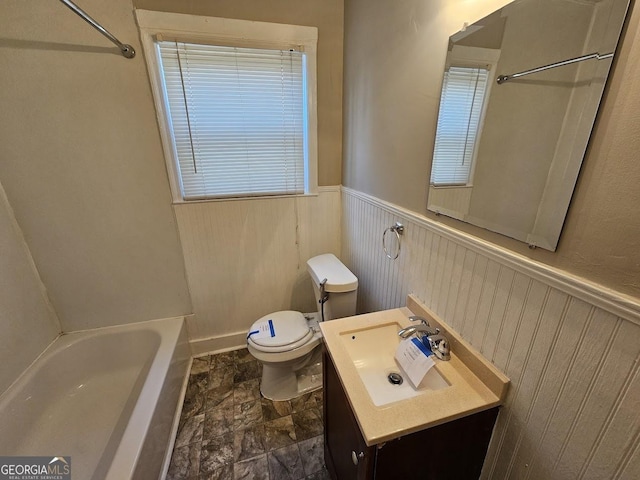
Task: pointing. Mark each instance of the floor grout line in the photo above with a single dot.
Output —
(229, 431)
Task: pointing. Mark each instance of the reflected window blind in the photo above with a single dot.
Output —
(463, 93)
(237, 116)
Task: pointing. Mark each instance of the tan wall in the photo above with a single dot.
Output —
(28, 322)
(82, 162)
(82, 165)
(394, 59)
(328, 16)
(394, 56)
(523, 120)
(572, 406)
(247, 258)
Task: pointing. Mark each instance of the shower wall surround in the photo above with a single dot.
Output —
(570, 348)
(28, 322)
(82, 165)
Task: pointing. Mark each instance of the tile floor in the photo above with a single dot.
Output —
(228, 431)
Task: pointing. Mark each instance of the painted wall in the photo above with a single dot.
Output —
(572, 409)
(394, 58)
(82, 165)
(571, 351)
(578, 122)
(247, 258)
(523, 120)
(328, 16)
(28, 322)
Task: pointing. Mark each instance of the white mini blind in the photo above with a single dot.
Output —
(461, 103)
(237, 117)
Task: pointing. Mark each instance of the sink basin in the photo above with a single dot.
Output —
(372, 351)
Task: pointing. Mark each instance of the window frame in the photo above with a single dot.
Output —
(231, 32)
(467, 118)
(472, 57)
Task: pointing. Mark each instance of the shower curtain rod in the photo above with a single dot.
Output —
(597, 56)
(127, 50)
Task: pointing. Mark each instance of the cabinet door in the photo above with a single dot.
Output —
(346, 454)
(452, 451)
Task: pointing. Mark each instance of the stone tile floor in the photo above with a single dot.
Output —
(228, 431)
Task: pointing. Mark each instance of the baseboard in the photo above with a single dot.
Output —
(232, 341)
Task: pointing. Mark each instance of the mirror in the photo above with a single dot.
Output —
(507, 155)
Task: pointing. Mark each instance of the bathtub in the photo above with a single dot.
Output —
(106, 397)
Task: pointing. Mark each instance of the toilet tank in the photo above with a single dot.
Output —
(341, 285)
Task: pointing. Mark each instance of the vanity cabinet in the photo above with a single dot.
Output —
(454, 450)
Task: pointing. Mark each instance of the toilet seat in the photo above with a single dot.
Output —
(290, 330)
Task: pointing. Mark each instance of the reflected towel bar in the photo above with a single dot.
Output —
(127, 50)
(597, 56)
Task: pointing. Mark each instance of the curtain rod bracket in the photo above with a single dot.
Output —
(126, 50)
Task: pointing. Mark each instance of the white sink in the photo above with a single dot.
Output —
(372, 351)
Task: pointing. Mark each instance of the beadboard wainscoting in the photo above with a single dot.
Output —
(570, 348)
(247, 258)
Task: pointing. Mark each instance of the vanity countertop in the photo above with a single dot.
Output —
(475, 384)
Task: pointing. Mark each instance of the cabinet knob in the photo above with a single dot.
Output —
(355, 457)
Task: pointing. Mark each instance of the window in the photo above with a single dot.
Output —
(237, 118)
(461, 106)
(236, 105)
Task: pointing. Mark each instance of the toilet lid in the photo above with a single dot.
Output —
(279, 329)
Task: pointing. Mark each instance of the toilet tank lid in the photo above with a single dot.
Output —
(339, 277)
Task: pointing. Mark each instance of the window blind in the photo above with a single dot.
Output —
(237, 117)
(463, 93)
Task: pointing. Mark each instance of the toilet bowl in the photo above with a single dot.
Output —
(287, 343)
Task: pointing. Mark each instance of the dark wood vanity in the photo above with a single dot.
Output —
(453, 450)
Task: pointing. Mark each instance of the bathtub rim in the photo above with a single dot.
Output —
(127, 455)
(176, 422)
(89, 332)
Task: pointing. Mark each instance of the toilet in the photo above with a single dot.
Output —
(287, 343)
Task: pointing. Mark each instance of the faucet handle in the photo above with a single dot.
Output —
(439, 346)
(415, 318)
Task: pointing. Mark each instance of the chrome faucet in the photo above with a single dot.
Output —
(414, 329)
(423, 328)
(438, 343)
(415, 318)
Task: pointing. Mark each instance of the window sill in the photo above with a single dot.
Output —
(450, 186)
(236, 199)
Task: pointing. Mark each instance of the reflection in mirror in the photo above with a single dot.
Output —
(507, 155)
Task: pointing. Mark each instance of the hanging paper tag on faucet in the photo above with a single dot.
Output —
(415, 359)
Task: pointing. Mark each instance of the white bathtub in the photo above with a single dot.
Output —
(105, 397)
